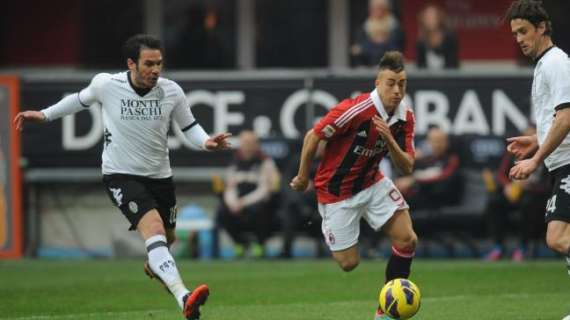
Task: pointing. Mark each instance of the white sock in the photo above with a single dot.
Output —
(162, 264)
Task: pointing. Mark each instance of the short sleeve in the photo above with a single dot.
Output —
(336, 122)
(559, 81)
(91, 94)
(181, 112)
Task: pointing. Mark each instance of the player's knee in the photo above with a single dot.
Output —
(409, 242)
(556, 243)
(156, 227)
(349, 264)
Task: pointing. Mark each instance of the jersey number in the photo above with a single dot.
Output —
(551, 204)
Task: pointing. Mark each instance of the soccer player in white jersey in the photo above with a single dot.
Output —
(138, 106)
(531, 27)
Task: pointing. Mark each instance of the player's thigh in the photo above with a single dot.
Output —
(340, 224)
(131, 196)
(400, 229)
(384, 201)
(557, 231)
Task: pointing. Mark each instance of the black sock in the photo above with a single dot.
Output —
(399, 265)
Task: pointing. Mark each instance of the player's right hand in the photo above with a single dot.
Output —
(30, 115)
(522, 147)
(299, 183)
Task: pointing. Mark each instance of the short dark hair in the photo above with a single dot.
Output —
(133, 46)
(392, 60)
(532, 11)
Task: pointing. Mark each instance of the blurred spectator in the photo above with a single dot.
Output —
(248, 199)
(201, 42)
(436, 47)
(519, 203)
(298, 211)
(381, 32)
(436, 180)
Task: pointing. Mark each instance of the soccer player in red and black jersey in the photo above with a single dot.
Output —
(359, 133)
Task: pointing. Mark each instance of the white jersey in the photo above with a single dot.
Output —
(550, 89)
(135, 126)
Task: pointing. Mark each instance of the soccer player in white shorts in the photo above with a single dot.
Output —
(138, 106)
(359, 132)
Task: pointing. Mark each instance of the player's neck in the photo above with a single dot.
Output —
(545, 45)
(140, 90)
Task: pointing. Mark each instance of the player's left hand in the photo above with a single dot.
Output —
(382, 127)
(218, 142)
(523, 169)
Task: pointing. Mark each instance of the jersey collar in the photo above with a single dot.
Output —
(542, 54)
(399, 113)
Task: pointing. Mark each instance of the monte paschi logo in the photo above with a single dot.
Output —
(140, 109)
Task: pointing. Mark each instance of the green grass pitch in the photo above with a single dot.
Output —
(303, 290)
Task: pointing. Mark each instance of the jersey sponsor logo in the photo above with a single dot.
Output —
(141, 109)
(159, 93)
(565, 184)
(133, 207)
(365, 152)
(328, 131)
(362, 134)
(118, 195)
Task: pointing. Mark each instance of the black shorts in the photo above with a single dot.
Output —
(558, 205)
(136, 195)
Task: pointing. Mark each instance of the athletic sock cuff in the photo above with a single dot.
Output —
(155, 241)
(404, 253)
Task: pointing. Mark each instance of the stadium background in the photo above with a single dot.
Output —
(278, 95)
(273, 66)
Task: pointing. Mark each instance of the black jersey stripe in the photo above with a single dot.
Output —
(188, 127)
(359, 182)
(81, 102)
(348, 161)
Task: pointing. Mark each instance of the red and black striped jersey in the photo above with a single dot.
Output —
(355, 148)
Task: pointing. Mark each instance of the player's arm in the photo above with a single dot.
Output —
(301, 181)
(558, 80)
(193, 131)
(402, 159)
(558, 131)
(70, 104)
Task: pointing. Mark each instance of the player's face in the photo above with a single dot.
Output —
(391, 87)
(527, 36)
(148, 68)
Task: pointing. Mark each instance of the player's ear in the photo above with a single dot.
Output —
(131, 64)
(541, 28)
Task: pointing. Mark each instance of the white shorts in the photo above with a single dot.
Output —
(376, 204)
